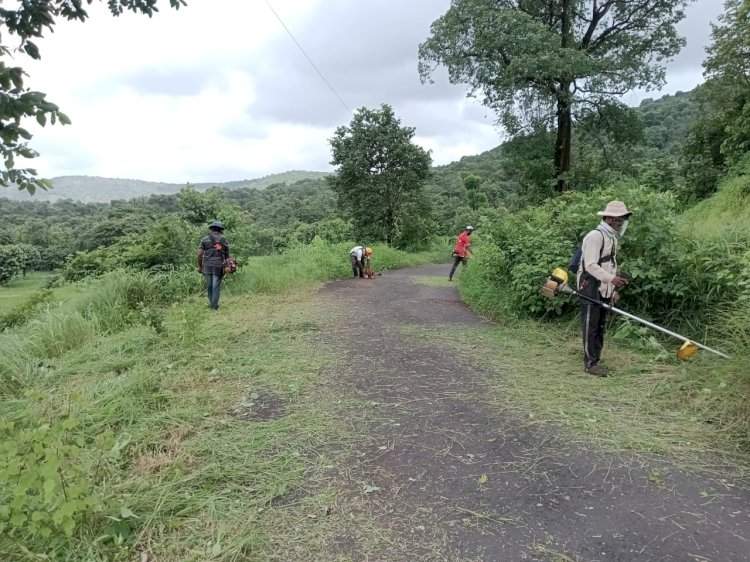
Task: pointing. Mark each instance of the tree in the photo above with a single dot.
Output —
(476, 198)
(543, 61)
(721, 136)
(199, 208)
(28, 22)
(30, 258)
(379, 174)
(728, 65)
(11, 262)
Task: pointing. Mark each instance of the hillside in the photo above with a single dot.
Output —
(665, 122)
(92, 189)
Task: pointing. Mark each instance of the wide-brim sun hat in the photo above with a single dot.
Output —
(217, 225)
(615, 209)
(469, 227)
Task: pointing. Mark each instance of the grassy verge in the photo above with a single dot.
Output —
(136, 424)
(202, 443)
(318, 262)
(646, 407)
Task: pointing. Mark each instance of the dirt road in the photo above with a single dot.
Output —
(443, 474)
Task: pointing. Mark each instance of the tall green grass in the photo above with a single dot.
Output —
(725, 215)
(125, 388)
(103, 306)
(725, 218)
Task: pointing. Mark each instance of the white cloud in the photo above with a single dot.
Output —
(217, 90)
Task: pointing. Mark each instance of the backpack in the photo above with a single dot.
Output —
(575, 261)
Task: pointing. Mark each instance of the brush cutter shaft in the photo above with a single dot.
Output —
(569, 290)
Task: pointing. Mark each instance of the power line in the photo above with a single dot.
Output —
(322, 77)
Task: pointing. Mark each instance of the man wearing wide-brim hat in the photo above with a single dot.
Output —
(598, 278)
(213, 253)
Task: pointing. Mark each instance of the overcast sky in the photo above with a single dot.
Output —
(218, 91)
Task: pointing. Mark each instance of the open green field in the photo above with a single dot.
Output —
(20, 289)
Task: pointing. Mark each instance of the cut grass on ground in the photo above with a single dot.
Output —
(432, 280)
(537, 373)
(218, 427)
(187, 435)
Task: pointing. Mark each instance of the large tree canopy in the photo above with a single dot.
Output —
(548, 61)
(23, 25)
(728, 69)
(379, 177)
(720, 138)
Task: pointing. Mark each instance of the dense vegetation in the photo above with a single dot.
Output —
(92, 237)
(105, 379)
(684, 168)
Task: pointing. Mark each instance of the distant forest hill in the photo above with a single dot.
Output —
(92, 189)
(513, 167)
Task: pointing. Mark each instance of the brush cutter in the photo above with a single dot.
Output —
(558, 283)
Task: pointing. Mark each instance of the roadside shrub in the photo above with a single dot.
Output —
(46, 487)
(165, 245)
(673, 277)
(85, 264)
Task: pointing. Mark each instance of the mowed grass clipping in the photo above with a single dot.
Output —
(433, 280)
(645, 407)
(190, 473)
(171, 432)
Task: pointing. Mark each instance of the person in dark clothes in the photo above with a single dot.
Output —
(213, 253)
(598, 278)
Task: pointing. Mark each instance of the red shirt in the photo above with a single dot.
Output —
(462, 244)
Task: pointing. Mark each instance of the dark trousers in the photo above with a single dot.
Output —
(213, 286)
(357, 269)
(593, 320)
(456, 260)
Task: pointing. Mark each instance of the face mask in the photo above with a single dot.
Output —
(624, 228)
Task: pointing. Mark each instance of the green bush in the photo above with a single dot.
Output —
(165, 245)
(674, 277)
(47, 490)
(12, 260)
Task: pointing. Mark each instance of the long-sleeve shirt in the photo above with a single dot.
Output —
(599, 243)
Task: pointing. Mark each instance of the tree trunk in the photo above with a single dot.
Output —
(563, 142)
(564, 114)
